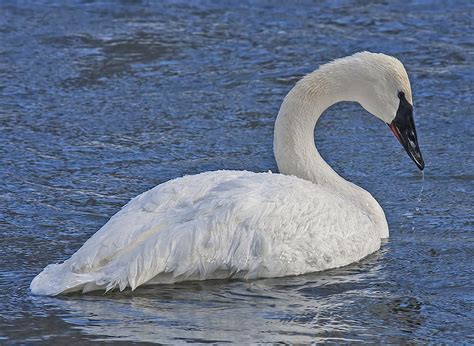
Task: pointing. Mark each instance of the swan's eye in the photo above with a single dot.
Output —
(401, 95)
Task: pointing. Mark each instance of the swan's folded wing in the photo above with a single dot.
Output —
(143, 216)
(125, 233)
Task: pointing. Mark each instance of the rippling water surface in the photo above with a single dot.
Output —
(102, 100)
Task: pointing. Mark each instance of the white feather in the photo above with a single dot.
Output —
(239, 224)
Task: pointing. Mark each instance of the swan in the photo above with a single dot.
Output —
(240, 224)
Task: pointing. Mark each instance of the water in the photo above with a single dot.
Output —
(100, 101)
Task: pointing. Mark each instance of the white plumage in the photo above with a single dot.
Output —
(240, 224)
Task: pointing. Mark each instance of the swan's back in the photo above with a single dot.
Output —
(217, 225)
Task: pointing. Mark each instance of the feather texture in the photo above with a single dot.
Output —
(217, 225)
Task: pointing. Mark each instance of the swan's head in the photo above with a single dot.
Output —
(380, 84)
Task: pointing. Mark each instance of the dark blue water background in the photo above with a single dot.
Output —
(102, 100)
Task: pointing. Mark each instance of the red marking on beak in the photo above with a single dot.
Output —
(394, 130)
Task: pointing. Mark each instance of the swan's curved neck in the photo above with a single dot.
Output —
(294, 144)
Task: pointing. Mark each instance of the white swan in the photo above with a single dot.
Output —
(252, 225)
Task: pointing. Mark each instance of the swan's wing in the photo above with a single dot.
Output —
(146, 215)
(139, 219)
(261, 225)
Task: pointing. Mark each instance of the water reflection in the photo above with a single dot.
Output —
(294, 309)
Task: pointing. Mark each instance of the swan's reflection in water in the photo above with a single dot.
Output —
(294, 309)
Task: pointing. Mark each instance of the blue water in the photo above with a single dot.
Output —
(102, 100)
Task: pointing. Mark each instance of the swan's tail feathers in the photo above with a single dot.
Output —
(58, 278)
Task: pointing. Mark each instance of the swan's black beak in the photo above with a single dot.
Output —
(403, 127)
